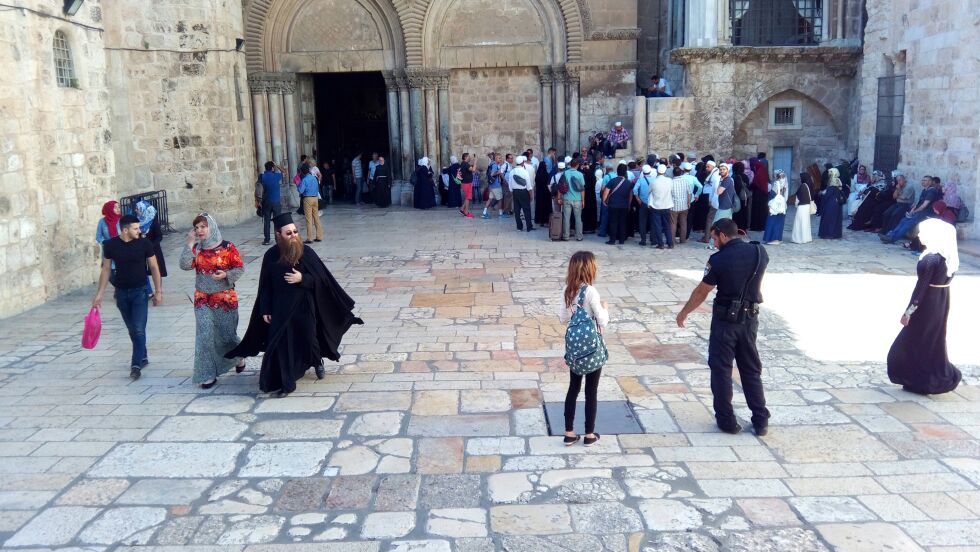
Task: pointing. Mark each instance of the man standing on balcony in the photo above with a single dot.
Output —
(617, 138)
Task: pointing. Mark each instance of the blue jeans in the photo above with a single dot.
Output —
(133, 308)
(661, 226)
(906, 224)
(270, 210)
(603, 220)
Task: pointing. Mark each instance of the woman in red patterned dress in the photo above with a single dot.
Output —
(218, 265)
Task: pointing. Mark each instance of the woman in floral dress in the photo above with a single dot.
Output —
(218, 265)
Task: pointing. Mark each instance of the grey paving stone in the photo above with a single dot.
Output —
(451, 491)
(165, 491)
(300, 495)
(118, 525)
(604, 517)
(285, 459)
(397, 493)
(191, 460)
(53, 527)
(468, 425)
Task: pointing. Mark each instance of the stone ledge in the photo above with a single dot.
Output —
(844, 56)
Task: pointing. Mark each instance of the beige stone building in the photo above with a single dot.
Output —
(110, 99)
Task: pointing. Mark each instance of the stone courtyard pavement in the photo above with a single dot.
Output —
(429, 435)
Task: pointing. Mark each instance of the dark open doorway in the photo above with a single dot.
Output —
(351, 115)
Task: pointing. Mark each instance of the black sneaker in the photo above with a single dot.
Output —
(734, 430)
(320, 372)
(144, 362)
(591, 441)
(134, 373)
(761, 431)
(569, 441)
(266, 242)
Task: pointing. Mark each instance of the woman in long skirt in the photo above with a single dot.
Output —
(218, 265)
(832, 208)
(917, 359)
(801, 221)
(542, 195)
(778, 192)
(425, 192)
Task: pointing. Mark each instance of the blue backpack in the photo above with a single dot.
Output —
(585, 352)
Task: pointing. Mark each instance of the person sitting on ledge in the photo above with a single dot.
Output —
(617, 138)
(660, 87)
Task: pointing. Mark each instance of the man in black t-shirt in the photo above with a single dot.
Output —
(737, 270)
(132, 255)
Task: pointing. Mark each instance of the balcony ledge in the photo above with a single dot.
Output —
(842, 60)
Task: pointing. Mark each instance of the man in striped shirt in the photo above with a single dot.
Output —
(682, 195)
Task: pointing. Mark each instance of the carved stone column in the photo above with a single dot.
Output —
(546, 78)
(256, 85)
(560, 106)
(431, 117)
(276, 131)
(640, 126)
(288, 89)
(394, 131)
(406, 126)
(724, 36)
(574, 142)
(416, 85)
(445, 126)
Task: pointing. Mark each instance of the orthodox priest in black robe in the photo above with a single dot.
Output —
(542, 195)
(300, 315)
(590, 214)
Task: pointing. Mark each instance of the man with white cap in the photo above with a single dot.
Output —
(641, 196)
(660, 204)
(617, 138)
(521, 185)
(710, 187)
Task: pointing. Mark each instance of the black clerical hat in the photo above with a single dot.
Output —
(282, 220)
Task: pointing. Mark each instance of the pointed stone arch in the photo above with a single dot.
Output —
(270, 26)
(814, 87)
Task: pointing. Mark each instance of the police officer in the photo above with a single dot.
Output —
(737, 270)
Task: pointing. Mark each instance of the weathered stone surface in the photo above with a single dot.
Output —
(288, 459)
(387, 525)
(867, 537)
(294, 405)
(669, 515)
(118, 525)
(377, 423)
(220, 404)
(351, 492)
(93, 492)
(303, 494)
(457, 522)
(293, 429)
(169, 460)
(165, 491)
(605, 517)
(530, 520)
(451, 491)
(397, 493)
(54, 526)
(253, 530)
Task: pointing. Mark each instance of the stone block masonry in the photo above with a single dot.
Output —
(495, 110)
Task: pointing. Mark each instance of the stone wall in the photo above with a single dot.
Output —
(495, 110)
(934, 44)
(180, 107)
(606, 97)
(56, 162)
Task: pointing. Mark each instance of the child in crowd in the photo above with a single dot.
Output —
(580, 294)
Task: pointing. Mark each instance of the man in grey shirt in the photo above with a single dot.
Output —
(904, 197)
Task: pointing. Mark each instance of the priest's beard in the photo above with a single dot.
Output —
(290, 249)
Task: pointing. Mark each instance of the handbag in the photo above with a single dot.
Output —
(92, 329)
(813, 208)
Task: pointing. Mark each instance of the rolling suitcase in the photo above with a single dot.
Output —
(554, 226)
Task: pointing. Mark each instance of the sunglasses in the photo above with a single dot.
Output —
(288, 233)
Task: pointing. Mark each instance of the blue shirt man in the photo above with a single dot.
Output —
(576, 183)
(271, 180)
(309, 186)
(494, 177)
(642, 188)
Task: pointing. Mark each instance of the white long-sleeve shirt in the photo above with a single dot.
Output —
(592, 304)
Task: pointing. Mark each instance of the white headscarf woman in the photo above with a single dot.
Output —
(939, 236)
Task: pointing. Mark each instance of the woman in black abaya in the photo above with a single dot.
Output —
(425, 189)
(542, 196)
(917, 359)
(832, 208)
(590, 218)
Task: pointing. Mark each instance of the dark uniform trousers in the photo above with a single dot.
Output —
(735, 342)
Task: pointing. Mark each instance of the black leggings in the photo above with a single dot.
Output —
(591, 399)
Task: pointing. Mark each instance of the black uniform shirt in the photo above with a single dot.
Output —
(731, 267)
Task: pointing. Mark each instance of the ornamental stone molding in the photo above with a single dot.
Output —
(842, 60)
(545, 76)
(615, 34)
(611, 66)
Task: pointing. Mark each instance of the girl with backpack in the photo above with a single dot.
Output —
(585, 353)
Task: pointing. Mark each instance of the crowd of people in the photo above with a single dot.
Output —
(301, 313)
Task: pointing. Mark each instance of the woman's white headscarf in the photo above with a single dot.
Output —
(833, 178)
(939, 236)
(453, 160)
(424, 162)
(214, 234)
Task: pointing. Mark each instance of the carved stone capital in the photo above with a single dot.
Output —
(546, 76)
(256, 84)
(288, 85)
(615, 34)
(559, 74)
(843, 58)
(391, 81)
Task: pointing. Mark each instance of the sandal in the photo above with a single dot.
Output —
(209, 385)
(569, 441)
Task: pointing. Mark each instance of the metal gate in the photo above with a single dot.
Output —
(888, 128)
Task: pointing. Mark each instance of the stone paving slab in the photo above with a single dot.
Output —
(429, 435)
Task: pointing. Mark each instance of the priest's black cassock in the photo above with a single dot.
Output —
(308, 320)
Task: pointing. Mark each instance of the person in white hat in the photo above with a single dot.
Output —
(641, 195)
(617, 138)
(660, 204)
(521, 185)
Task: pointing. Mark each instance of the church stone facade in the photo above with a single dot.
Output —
(125, 97)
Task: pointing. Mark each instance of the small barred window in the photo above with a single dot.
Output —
(785, 116)
(63, 66)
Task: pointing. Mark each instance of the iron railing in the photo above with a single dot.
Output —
(776, 22)
(157, 199)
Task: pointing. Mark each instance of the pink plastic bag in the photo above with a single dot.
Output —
(93, 329)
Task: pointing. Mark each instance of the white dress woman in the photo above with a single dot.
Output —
(801, 221)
